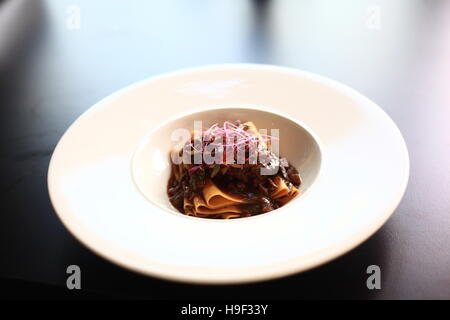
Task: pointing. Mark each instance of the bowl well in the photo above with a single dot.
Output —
(151, 161)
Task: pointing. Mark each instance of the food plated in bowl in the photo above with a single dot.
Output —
(109, 174)
(230, 172)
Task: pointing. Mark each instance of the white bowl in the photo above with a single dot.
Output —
(108, 175)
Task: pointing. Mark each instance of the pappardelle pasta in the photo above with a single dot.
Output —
(246, 178)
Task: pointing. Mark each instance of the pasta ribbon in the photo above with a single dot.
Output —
(216, 198)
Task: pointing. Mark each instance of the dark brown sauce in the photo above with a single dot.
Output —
(244, 183)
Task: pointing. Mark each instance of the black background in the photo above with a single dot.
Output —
(51, 73)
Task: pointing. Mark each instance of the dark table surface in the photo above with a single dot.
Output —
(59, 57)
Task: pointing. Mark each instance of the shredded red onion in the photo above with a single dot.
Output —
(193, 169)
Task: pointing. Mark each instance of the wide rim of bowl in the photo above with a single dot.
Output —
(277, 270)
